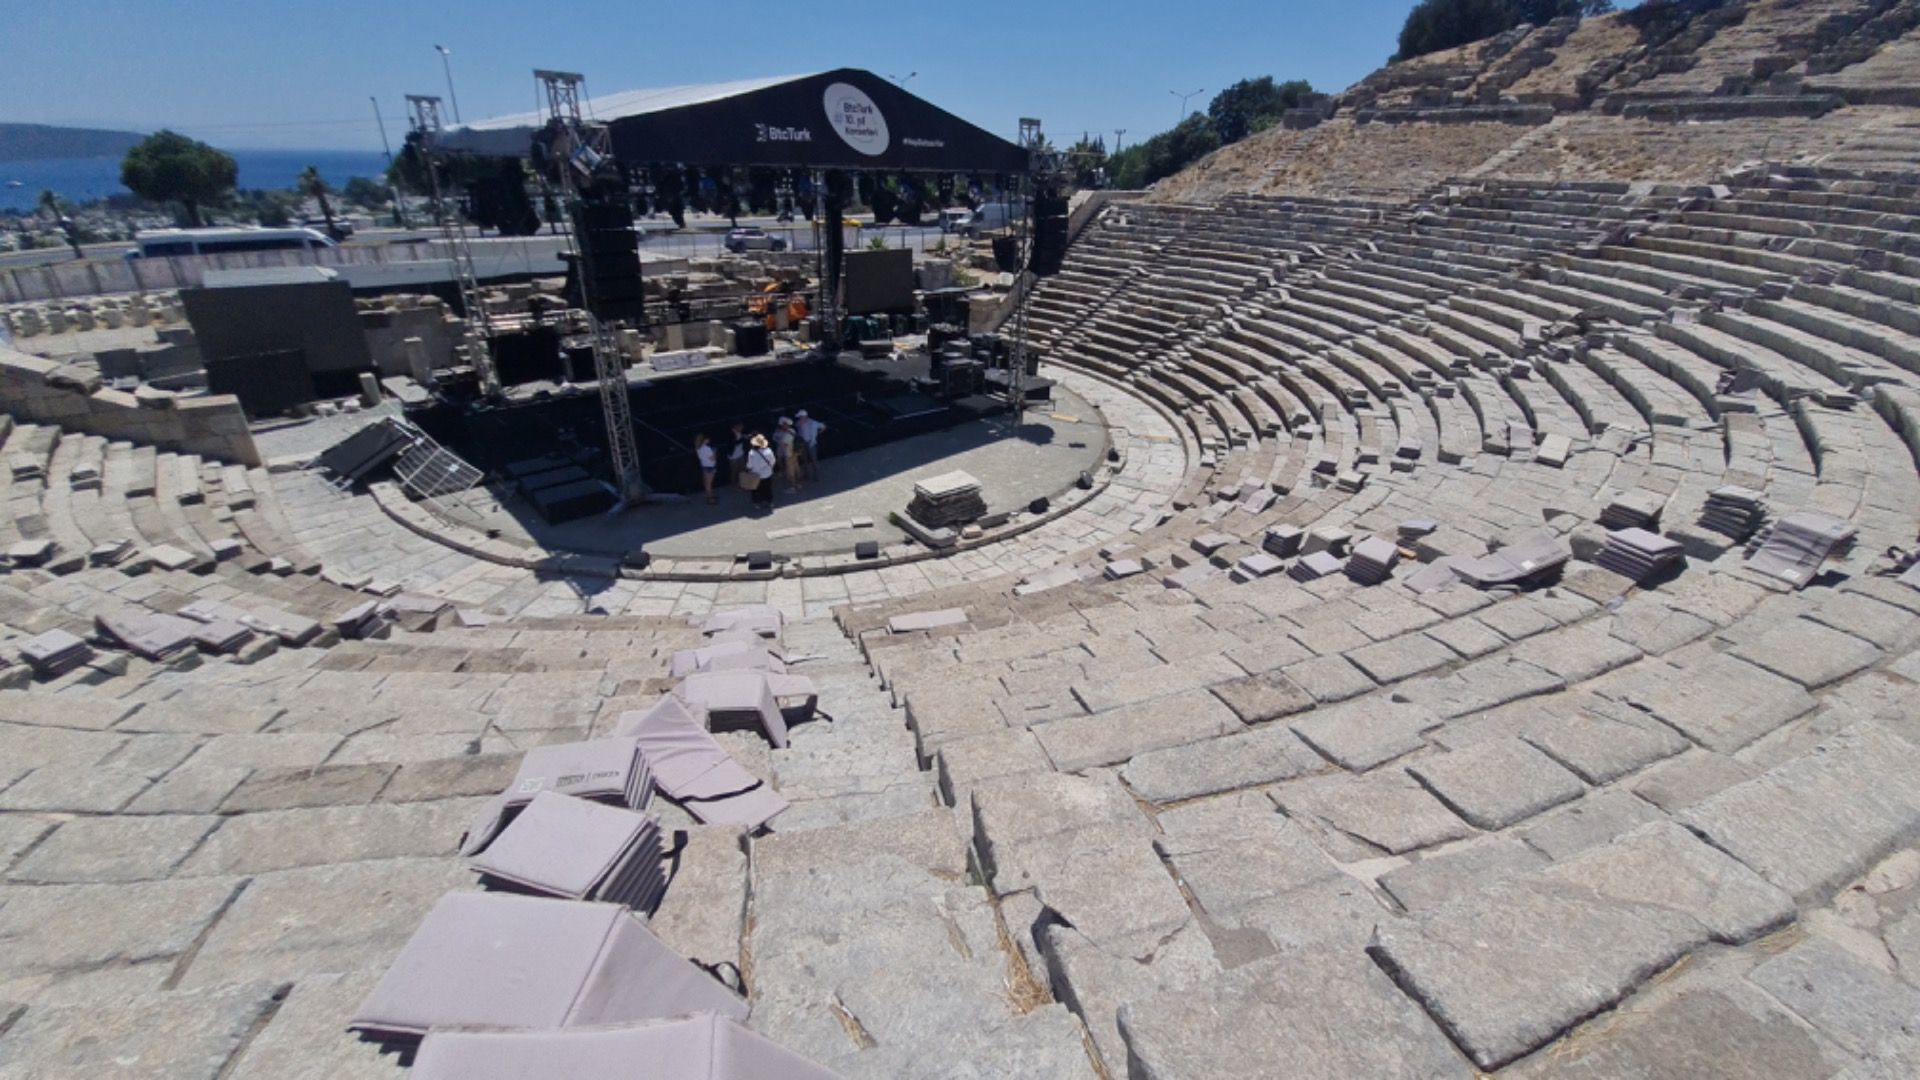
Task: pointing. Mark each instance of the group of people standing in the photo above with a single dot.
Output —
(754, 459)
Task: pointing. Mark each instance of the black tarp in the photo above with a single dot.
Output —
(843, 119)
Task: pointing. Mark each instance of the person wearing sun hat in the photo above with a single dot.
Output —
(759, 468)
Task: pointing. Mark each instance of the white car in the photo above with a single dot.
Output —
(740, 241)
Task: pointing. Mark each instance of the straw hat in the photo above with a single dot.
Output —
(759, 442)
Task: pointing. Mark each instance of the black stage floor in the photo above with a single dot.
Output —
(864, 403)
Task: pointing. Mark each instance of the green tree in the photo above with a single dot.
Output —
(1086, 158)
(362, 191)
(1163, 155)
(169, 167)
(1434, 25)
(50, 202)
(314, 186)
(1252, 105)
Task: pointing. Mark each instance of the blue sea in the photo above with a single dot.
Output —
(82, 179)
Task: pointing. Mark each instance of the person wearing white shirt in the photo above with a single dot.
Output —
(709, 464)
(809, 429)
(760, 463)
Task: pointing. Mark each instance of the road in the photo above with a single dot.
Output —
(701, 237)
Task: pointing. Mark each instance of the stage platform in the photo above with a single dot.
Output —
(1016, 461)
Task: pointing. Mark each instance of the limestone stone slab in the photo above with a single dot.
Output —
(326, 785)
(18, 832)
(1387, 810)
(1540, 953)
(1820, 820)
(1664, 865)
(188, 1035)
(1361, 735)
(1269, 695)
(1106, 881)
(1268, 646)
(189, 790)
(1698, 1032)
(1678, 783)
(1496, 783)
(48, 928)
(1600, 748)
(1329, 678)
(928, 840)
(1484, 684)
(1262, 756)
(267, 750)
(1587, 823)
(1114, 736)
(307, 1039)
(1400, 658)
(941, 712)
(703, 915)
(108, 849)
(286, 839)
(1577, 653)
(1722, 703)
(1141, 682)
(26, 746)
(1317, 1013)
(79, 789)
(1012, 811)
(1236, 852)
(1863, 1009)
(1808, 653)
(1000, 752)
(1459, 873)
(452, 778)
(1096, 982)
(290, 924)
(1657, 629)
(1467, 636)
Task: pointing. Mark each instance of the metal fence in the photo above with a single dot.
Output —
(494, 256)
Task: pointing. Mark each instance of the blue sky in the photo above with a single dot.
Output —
(293, 75)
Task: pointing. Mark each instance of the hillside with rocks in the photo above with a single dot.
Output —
(1662, 92)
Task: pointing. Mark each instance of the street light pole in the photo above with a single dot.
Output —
(1184, 98)
(902, 83)
(1118, 135)
(447, 65)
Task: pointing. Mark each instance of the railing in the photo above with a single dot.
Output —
(494, 257)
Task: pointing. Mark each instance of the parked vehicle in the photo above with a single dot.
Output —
(952, 216)
(991, 217)
(740, 241)
(170, 243)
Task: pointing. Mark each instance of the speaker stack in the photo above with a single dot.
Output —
(610, 259)
(1049, 235)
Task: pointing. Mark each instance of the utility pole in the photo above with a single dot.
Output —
(446, 64)
(1118, 134)
(1184, 98)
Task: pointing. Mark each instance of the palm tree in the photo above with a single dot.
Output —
(312, 184)
(50, 203)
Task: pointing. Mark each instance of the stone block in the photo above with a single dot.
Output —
(188, 1035)
(1387, 810)
(1496, 783)
(1263, 756)
(1822, 819)
(1362, 735)
(1114, 736)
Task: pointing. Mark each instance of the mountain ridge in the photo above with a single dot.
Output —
(39, 142)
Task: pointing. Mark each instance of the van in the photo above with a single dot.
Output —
(991, 217)
(951, 217)
(171, 243)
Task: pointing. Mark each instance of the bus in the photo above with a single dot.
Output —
(170, 243)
